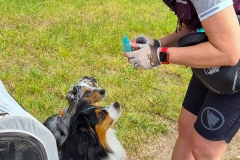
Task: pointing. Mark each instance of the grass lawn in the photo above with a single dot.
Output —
(47, 46)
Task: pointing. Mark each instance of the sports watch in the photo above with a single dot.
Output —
(164, 56)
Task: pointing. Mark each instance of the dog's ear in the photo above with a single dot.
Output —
(93, 79)
(79, 139)
(72, 95)
(79, 123)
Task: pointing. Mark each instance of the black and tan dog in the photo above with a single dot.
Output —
(85, 90)
(90, 134)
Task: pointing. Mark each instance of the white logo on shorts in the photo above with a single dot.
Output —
(212, 119)
(211, 71)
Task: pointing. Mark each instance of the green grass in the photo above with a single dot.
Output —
(46, 46)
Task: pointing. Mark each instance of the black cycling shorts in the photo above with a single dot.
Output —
(218, 115)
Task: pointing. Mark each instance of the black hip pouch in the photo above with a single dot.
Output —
(220, 80)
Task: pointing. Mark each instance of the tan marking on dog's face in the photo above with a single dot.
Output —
(94, 97)
(90, 84)
(85, 89)
(105, 122)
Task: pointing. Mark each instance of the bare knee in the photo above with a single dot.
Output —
(197, 148)
(205, 149)
(186, 125)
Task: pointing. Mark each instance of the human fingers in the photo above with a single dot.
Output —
(126, 54)
(131, 57)
(134, 45)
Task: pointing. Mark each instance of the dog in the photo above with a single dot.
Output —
(86, 89)
(90, 134)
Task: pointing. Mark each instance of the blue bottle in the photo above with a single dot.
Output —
(126, 44)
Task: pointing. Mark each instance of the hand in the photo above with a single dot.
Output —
(142, 39)
(146, 57)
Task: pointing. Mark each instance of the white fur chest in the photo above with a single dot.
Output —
(118, 151)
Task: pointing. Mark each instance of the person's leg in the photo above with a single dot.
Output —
(217, 123)
(182, 149)
(192, 104)
(218, 120)
(204, 149)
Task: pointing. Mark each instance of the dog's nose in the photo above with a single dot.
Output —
(116, 105)
(102, 91)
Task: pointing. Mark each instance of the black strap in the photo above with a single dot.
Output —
(192, 39)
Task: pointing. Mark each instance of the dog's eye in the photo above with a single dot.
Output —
(101, 115)
(87, 92)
